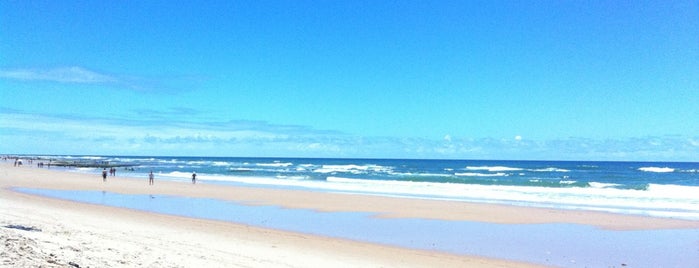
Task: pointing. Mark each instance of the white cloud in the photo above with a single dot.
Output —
(64, 75)
(694, 142)
(34, 133)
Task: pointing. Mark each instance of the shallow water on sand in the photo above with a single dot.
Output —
(566, 245)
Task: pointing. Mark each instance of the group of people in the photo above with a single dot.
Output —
(18, 161)
(112, 172)
(151, 177)
(41, 164)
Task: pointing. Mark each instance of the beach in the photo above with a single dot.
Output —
(41, 231)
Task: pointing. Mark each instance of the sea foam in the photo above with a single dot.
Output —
(657, 169)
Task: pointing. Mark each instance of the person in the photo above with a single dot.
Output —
(104, 174)
(194, 177)
(150, 178)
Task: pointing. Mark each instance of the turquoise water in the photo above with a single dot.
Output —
(565, 245)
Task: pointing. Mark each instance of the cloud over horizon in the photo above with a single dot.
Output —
(38, 133)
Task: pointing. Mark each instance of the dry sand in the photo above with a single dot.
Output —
(38, 231)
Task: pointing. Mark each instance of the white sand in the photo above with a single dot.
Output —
(71, 234)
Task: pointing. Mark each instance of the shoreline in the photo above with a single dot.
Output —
(362, 253)
(383, 206)
(103, 236)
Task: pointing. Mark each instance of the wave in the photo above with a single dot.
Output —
(494, 168)
(241, 170)
(601, 185)
(503, 168)
(471, 174)
(85, 157)
(275, 164)
(355, 169)
(180, 174)
(411, 174)
(657, 169)
(658, 200)
(170, 161)
(293, 177)
(197, 163)
(676, 191)
(550, 169)
(306, 167)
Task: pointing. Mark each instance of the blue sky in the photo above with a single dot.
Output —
(568, 80)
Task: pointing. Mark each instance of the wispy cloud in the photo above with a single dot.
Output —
(63, 75)
(64, 134)
(81, 75)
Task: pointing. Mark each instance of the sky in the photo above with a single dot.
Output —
(521, 80)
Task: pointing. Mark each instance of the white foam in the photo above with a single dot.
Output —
(494, 168)
(657, 200)
(676, 200)
(602, 185)
(550, 169)
(275, 164)
(676, 191)
(292, 177)
(85, 157)
(410, 174)
(471, 174)
(179, 174)
(355, 169)
(657, 169)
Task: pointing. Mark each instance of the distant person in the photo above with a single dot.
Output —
(104, 174)
(150, 178)
(194, 177)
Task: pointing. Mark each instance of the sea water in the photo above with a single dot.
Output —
(662, 189)
(564, 245)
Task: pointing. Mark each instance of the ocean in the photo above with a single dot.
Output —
(661, 189)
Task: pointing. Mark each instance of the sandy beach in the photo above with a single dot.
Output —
(39, 231)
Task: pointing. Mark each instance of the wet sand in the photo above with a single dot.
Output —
(92, 235)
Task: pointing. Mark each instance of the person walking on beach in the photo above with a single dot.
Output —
(104, 174)
(150, 178)
(194, 177)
